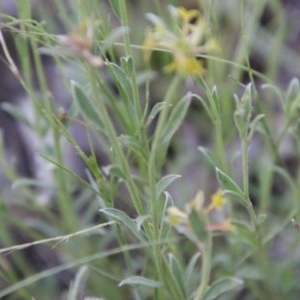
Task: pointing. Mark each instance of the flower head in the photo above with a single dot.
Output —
(180, 219)
(80, 42)
(217, 201)
(176, 216)
(188, 36)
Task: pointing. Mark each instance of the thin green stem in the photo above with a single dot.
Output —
(153, 169)
(128, 50)
(206, 268)
(64, 202)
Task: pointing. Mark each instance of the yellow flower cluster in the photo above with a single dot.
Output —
(188, 36)
(180, 219)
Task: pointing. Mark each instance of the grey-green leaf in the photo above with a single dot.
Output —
(121, 80)
(16, 113)
(230, 186)
(85, 105)
(198, 222)
(178, 274)
(176, 117)
(155, 110)
(128, 222)
(208, 154)
(115, 6)
(139, 280)
(164, 183)
(221, 286)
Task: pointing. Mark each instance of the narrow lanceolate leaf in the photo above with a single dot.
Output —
(230, 186)
(176, 117)
(85, 105)
(121, 80)
(16, 112)
(154, 111)
(189, 272)
(178, 274)
(139, 280)
(198, 222)
(208, 154)
(128, 222)
(246, 233)
(115, 6)
(221, 286)
(164, 183)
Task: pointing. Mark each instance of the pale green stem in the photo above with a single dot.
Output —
(153, 172)
(112, 135)
(206, 268)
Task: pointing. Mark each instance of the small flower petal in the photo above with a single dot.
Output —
(176, 216)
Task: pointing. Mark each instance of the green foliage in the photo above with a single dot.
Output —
(124, 223)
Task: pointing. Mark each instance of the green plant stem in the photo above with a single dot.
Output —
(112, 135)
(215, 114)
(206, 250)
(262, 256)
(128, 50)
(220, 149)
(153, 171)
(64, 200)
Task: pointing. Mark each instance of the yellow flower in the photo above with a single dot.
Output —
(184, 39)
(217, 201)
(180, 219)
(186, 66)
(187, 15)
(176, 216)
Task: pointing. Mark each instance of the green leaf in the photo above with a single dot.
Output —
(24, 9)
(121, 80)
(164, 183)
(21, 182)
(164, 226)
(138, 280)
(205, 105)
(74, 110)
(84, 104)
(221, 286)
(128, 222)
(115, 7)
(16, 112)
(127, 65)
(79, 283)
(155, 110)
(215, 98)
(253, 125)
(246, 233)
(131, 142)
(208, 154)
(230, 186)
(117, 172)
(113, 37)
(250, 272)
(189, 272)
(176, 117)
(292, 96)
(140, 220)
(198, 222)
(178, 274)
